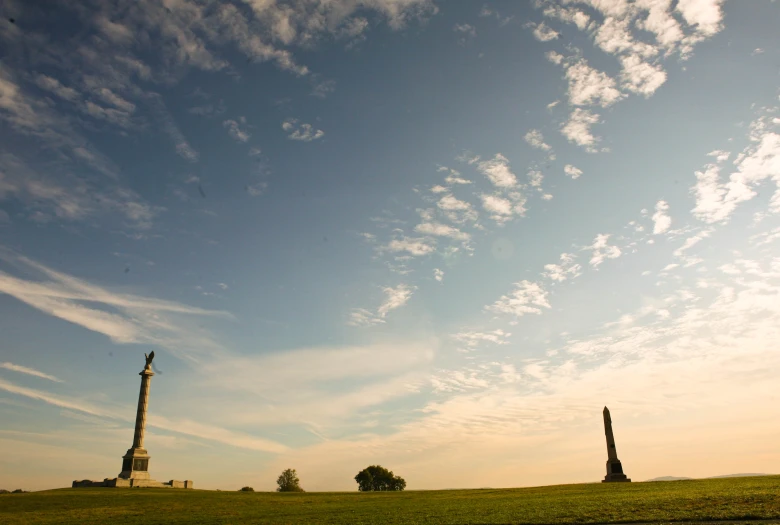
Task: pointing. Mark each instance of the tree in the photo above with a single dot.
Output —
(247, 489)
(288, 481)
(378, 478)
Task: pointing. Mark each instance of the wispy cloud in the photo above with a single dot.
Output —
(601, 250)
(395, 297)
(498, 171)
(301, 131)
(29, 371)
(572, 171)
(129, 319)
(474, 338)
(527, 298)
(577, 129)
(69, 198)
(567, 268)
(182, 426)
(536, 139)
(169, 127)
(544, 33)
(661, 220)
(717, 200)
(234, 129)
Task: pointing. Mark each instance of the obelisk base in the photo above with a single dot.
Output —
(135, 464)
(614, 472)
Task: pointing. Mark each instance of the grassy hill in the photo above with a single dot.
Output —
(696, 500)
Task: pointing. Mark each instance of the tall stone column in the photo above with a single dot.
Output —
(143, 404)
(614, 467)
(135, 462)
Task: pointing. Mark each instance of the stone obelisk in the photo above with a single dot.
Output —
(614, 467)
(135, 463)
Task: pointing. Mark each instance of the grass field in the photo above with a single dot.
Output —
(735, 499)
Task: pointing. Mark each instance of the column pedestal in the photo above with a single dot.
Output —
(614, 472)
(135, 464)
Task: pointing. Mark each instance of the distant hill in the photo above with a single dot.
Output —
(676, 478)
(667, 478)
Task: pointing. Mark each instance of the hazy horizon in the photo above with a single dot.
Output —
(439, 237)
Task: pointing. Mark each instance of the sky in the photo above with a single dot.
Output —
(435, 236)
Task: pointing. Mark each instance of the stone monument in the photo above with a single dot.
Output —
(135, 462)
(614, 467)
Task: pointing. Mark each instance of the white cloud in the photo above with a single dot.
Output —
(661, 220)
(453, 178)
(302, 132)
(588, 86)
(535, 178)
(235, 131)
(566, 269)
(720, 155)
(572, 171)
(474, 338)
(29, 371)
(601, 250)
(613, 36)
(438, 274)
(716, 201)
(536, 139)
(498, 171)
(568, 14)
(544, 33)
(394, 298)
(527, 298)
(705, 15)
(439, 189)
(457, 210)
(577, 129)
(554, 57)
(691, 241)
(412, 246)
(441, 230)
(641, 77)
(502, 209)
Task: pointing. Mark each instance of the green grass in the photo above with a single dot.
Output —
(735, 499)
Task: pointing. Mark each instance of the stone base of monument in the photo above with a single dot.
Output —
(614, 472)
(134, 482)
(615, 477)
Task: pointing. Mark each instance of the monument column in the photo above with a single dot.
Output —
(143, 404)
(614, 467)
(135, 462)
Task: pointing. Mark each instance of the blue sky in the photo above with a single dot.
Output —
(435, 236)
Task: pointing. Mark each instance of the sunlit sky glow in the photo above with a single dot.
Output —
(437, 236)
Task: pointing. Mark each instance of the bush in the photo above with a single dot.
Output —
(247, 489)
(288, 481)
(378, 478)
